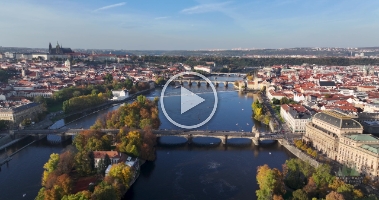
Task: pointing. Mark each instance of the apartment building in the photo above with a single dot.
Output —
(296, 117)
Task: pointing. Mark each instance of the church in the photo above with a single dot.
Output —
(59, 49)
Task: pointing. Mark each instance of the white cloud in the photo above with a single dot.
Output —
(159, 18)
(204, 8)
(110, 6)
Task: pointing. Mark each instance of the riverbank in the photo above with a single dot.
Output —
(96, 109)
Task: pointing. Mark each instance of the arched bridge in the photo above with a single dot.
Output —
(189, 135)
(199, 82)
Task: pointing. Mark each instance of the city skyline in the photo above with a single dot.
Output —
(190, 25)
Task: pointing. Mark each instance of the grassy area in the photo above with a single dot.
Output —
(54, 108)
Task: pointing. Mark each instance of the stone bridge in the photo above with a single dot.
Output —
(199, 82)
(255, 135)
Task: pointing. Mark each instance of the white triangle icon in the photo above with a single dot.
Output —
(188, 100)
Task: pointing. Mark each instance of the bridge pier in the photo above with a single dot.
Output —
(207, 84)
(190, 82)
(198, 83)
(226, 83)
(224, 140)
(216, 84)
(181, 83)
(189, 139)
(255, 141)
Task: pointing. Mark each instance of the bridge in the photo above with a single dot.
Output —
(62, 132)
(199, 82)
(228, 74)
(255, 135)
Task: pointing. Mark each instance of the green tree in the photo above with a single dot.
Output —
(284, 100)
(299, 195)
(83, 195)
(141, 99)
(275, 101)
(322, 176)
(84, 162)
(105, 191)
(160, 81)
(76, 93)
(108, 78)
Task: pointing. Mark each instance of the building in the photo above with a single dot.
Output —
(341, 138)
(371, 127)
(16, 112)
(203, 68)
(119, 95)
(59, 49)
(114, 156)
(296, 117)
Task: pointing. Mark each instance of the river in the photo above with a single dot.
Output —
(180, 171)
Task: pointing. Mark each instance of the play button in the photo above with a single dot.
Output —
(193, 108)
(188, 100)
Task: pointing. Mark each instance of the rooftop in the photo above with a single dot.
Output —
(363, 138)
(337, 119)
(371, 147)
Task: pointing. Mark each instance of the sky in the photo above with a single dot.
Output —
(189, 24)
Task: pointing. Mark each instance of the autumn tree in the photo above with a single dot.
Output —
(334, 196)
(270, 182)
(66, 162)
(310, 188)
(50, 167)
(83, 195)
(105, 191)
(121, 172)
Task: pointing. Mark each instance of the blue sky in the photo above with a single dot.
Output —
(189, 24)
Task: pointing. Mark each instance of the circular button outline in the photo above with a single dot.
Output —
(214, 105)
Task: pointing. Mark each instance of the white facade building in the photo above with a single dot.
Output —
(119, 95)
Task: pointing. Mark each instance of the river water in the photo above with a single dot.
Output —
(195, 171)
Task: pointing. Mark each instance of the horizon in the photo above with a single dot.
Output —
(190, 25)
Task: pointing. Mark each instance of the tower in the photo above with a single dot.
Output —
(23, 72)
(297, 75)
(50, 47)
(68, 65)
(57, 49)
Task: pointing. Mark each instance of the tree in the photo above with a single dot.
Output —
(275, 101)
(160, 81)
(296, 172)
(84, 162)
(66, 162)
(334, 196)
(284, 100)
(76, 93)
(310, 188)
(141, 99)
(122, 173)
(104, 191)
(108, 78)
(277, 197)
(83, 195)
(322, 176)
(299, 195)
(269, 181)
(145, 123)
(50, 167)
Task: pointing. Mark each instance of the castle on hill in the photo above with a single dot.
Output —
(59, 49)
